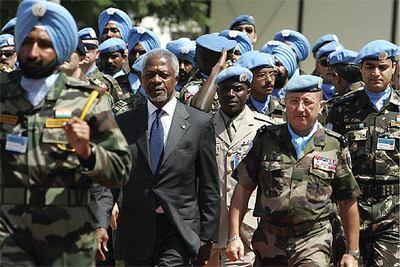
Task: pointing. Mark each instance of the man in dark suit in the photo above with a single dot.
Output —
(169, 211)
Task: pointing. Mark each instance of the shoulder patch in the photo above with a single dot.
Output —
(263, 118)
(338, 136)
(83, 85)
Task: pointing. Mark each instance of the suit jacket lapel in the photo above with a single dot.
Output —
(179, 126)
(143, 139)
(220, 129)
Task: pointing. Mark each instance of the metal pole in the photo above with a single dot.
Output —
(300, 16)
(395, 17)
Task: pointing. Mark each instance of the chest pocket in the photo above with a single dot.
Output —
(358, 141)
(272, 177)
(319, 184)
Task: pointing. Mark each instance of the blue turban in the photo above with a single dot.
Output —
(119, 17)
(57, 21)
(283, 53)
(296, 40)
(138, 66)
(243, 41)
(145, 37)
(183, 48)
(9, 27)
(6, 40)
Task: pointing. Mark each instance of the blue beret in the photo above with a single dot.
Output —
(378, 49)
(56, 20)
(9, 27)
(141, 35)
(304, 83)
(256, 59)
(6, 40)
(323, 40)
(296, 40)
(242, 74)
(243, 41)
(87, 34)
(215, 43)
(137, 65)
(241, 20)
(283, 53)
(343, 56)
(121, 19)
(325, 50)
(183, 48)
(112, 45)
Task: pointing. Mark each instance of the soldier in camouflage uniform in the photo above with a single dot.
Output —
(370, 120)
(298, 166)
(211, 55)
(8, 56)
(49, 156)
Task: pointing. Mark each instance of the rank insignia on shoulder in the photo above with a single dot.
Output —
(9, 119)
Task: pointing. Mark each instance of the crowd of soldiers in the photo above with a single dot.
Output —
(205, 152)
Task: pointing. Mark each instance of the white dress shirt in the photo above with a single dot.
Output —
(166, 118)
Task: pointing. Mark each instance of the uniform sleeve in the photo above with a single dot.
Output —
(113, 160)
(333, 121)
(344, 184)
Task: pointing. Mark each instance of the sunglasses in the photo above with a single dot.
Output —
(247, 29)
(7, 53)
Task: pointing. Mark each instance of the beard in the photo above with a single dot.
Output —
(37, 70)
(281, 79)
(161, 96)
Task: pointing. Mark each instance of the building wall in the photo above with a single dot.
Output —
(355, 22)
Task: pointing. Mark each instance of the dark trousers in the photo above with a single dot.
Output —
(170, 249)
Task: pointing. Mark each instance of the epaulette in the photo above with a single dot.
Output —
(83, 85)
(346, 97)
(338, 136)
(111, 80)
(264, 118)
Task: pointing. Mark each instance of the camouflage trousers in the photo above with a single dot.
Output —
(379, 232)
(309, 249)
(46, 236)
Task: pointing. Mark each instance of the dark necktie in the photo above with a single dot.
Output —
(156, 141)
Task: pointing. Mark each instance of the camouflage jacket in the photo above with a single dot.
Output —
(107, 83)
(373, 135)
(293, 191)
(132, 102)
(43, 163)
(192, 87)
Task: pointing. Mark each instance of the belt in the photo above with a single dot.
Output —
(41, 196)
(379, 190)
(293, 230)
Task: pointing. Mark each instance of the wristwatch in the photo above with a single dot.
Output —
(354, 253)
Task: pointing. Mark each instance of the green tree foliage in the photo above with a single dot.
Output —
(171, 13)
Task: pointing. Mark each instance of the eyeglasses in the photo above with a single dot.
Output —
(306, 103)
(247, 29)
(7, 53)
(263, 75)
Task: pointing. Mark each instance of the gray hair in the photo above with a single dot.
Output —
(162, 53)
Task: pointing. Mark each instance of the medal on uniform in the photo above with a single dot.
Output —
(16, 143)
(325, 164)
(385, 144)
(55, 123)
(9, 119)
(62, 113)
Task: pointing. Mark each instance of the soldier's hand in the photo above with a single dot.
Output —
(114, 217)
(101, 239)
(221, 63)
(78, 135)
(235, 250)
(348, 261)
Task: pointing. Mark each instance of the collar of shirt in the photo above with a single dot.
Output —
(166, 118)
(119, 73)
(300, 142)
(261, 107)
(134, 82)
(92, 69)
(235, 120)
(37, 89)
(378, 99)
